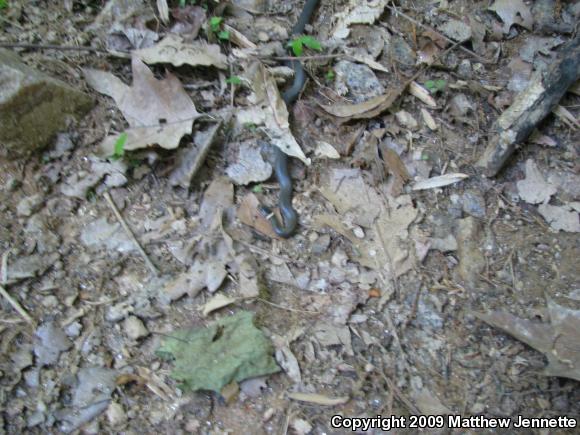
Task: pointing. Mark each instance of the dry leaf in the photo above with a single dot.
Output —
(163, 11)
(318, 399)
(250, 167)
(366, 109)
(269, 109)
(357, 13)
(422, 94)
(428, 119)
(172, 49)
(239, 39)
(439, 181)
(324, 149)
(249, 214)
(513, 12)
(566, 116)
(158, 111)
(534, 189)
(559, 340)
(217, 302)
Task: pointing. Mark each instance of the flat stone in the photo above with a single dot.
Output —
(34, 107)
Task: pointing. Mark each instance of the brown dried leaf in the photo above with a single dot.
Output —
(249, 214)
(559, 340)
(269, 109)
(158, 111)
(172, 49)
(367, 109)
(513, 12)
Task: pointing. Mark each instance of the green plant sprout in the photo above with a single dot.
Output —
(119, 151)
(435, 86)
(297, 44)
(234, 80)
(215, 24)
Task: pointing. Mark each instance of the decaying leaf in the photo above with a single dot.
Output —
(534, 189)
(324, 149)
(513, 12)
(230, 349)
(422, 94)
(249, 214)
(217, 302)
(172, 49)
(249, 167)
(367, 109)
(158, 111)
(270, 110)
(558, 340)
(357, 13)
(428, 119)
(385, 246)
(318, 399)
(439, 181)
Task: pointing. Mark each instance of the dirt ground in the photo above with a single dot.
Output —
(390, 300)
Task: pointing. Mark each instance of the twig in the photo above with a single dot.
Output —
(17, 307)
(130, 233)
(431, 29)
(52, 47)
(294, 310)
(315, 56)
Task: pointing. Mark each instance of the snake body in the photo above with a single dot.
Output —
(278, 158)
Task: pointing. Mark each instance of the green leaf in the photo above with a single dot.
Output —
(311, 43)
(120, 147)
(224, 34)
(330, 75)
(234, 80)
(258, 188)
(215, 23)
(435, 86)
(296, 46)
(230, 349)
(3, 4)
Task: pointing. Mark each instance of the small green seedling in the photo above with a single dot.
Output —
(258, 188)
(329, 75)
(3, 4)
(119, 151)
(215, 24)
(234, 80)
(435, 86)
(297, 44)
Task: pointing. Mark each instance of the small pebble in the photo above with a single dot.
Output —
(358, 232)
(263, 37)
(116, 415)
(134, 328)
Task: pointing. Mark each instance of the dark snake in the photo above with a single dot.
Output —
(277, 157)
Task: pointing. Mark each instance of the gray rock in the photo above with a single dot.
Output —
(33, 106)
(356, 81)
(91, 396)
(321, 244)
(402, 52)
(134, 328)
(29, 205)
(50, 342)
(473, 204)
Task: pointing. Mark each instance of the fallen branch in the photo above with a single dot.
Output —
(17, 307)
(130, 234)
(531, 106)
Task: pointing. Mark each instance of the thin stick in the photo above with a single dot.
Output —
(431, 29)
(280, 307)
(52, 47)
(315, 56)
(130, 233)
(17, 307)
